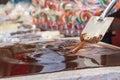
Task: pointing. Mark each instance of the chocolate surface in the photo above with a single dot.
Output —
(22, 59)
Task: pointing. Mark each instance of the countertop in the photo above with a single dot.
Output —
(107, 73)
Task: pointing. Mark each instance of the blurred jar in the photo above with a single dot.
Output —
(17, 1)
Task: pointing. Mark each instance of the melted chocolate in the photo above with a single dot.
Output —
(94, 39)
(15, 62)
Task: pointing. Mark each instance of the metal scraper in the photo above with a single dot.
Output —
(97, 26)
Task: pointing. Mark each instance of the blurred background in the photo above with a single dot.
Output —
(67, 16)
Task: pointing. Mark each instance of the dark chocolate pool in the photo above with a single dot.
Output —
(19, 60)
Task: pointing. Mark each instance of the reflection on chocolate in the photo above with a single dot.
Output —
(25, 61)
(37, 55)
(111, 60)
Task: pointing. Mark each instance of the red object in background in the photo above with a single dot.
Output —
(116, 39)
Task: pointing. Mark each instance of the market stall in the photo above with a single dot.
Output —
(37, 41)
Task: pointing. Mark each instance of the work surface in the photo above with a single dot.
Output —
(93, 61)
(109, 73)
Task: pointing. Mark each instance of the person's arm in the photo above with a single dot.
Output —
(116, 22)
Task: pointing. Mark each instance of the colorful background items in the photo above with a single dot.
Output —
(57, 14)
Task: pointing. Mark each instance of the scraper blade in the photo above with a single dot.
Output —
(95, 30)
(97, 26)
